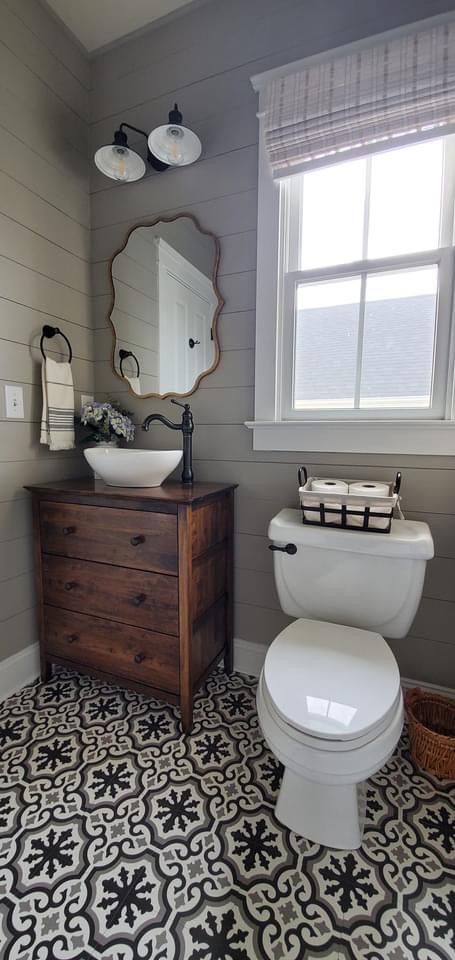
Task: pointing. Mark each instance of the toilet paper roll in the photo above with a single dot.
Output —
(369, 488)
(375, 523)
(329, 486)
(333, 513)
(324, 487)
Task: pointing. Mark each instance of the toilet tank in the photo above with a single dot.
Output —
(356, 578)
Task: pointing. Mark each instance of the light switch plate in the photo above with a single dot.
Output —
(14, 401)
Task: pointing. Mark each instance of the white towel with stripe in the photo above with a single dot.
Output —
(57, 424)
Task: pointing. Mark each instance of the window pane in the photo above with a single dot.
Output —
(405, 206)
(326, 334)
(332, 215)
(399, 334)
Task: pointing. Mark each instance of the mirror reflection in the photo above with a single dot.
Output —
(165, 307)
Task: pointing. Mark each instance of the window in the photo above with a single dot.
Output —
(355, 344)
(365, 275)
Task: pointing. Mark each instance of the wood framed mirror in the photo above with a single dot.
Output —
(165, 307)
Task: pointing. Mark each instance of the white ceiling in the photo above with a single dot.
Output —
(97, 22)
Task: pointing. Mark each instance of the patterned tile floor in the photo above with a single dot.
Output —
(123, 840)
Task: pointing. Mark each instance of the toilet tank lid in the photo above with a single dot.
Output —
(407, 538)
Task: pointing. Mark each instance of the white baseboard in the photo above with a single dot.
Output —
(19, 670)
(249, 659)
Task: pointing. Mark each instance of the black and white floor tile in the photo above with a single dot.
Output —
(122, 839)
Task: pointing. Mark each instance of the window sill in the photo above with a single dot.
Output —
(425, 437)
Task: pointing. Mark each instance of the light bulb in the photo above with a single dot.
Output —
(175, 135)
(120, 163)
(175, 145)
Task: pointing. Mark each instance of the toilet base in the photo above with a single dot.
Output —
(322, 813)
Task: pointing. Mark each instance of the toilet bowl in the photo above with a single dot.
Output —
(329, 698)
(331, 710)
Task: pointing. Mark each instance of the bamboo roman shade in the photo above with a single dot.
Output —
(401, 88)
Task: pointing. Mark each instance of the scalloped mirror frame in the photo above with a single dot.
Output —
(218, 308)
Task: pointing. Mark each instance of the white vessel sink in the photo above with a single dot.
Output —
(132, 468)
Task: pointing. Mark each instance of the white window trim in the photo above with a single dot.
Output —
(270, 430)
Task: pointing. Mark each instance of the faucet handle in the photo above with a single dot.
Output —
(187, 418)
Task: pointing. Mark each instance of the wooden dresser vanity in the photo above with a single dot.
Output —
(135, 585)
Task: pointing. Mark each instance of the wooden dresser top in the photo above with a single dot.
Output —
(86, 488)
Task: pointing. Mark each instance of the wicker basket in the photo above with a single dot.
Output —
(346, 510)
(432, 732)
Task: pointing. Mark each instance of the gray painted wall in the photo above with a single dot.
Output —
(44, 270)
(203, 59)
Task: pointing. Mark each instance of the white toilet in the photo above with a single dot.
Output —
(329, 697)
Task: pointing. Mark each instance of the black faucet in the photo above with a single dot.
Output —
(187, 427)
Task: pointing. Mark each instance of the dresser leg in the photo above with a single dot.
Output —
(46, 670)
(186, 712)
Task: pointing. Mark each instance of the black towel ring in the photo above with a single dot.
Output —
(48, 333)
(123, 354)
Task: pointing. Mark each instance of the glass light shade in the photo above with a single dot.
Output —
(120, 163)
(175, 145)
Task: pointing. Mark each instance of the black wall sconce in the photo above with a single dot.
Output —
(171, 145)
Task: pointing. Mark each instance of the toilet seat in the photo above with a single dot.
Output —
(328, 761)
(322, 745)
(335, 687)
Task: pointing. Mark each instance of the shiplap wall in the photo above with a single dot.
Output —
(44, 270)
(203, 59)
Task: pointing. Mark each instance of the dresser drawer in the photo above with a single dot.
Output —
(127, 538)
(148, 600)
(116, 648)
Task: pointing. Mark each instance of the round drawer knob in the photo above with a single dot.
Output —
(135, 541)
(68, 530)
(70, 585)
(141, 597)
(73, 637)
(139, 657)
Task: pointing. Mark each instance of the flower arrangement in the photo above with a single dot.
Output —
(107, 421)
